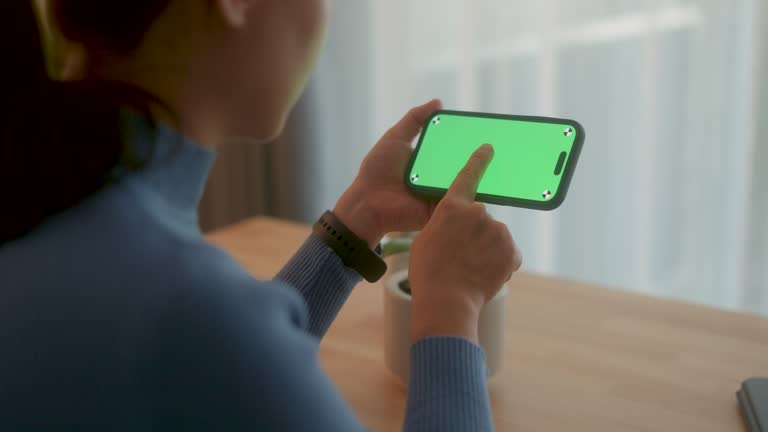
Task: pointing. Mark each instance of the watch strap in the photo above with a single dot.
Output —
(353, 251)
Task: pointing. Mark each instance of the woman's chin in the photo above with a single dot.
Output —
(260, 133)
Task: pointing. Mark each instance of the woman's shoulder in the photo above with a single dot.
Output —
(210, 297)
(153, 260)
(205, 271)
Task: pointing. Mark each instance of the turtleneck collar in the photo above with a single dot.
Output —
(175, 166)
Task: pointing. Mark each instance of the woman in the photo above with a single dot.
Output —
(117, 315)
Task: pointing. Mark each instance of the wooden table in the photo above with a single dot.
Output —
(578, 357)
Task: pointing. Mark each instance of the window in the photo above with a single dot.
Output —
(667, 198)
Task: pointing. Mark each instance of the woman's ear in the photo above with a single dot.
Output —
(234, 13)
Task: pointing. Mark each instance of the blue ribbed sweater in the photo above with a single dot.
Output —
(117, 315)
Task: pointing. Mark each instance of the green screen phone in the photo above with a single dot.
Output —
(534, 157)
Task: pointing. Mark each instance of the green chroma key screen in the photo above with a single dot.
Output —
(534, 157)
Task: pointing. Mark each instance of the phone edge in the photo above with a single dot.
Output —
(568, 171)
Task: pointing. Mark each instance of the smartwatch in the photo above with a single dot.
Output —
(353, 251)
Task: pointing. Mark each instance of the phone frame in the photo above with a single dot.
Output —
(566, 176)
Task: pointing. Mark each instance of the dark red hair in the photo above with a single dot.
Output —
(61, 142)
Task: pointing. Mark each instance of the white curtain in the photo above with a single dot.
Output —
(670, 196)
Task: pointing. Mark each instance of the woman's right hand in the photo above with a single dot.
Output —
(460, 260)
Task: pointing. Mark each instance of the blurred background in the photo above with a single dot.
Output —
(670, 197)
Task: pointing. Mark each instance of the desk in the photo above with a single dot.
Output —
(578, 357)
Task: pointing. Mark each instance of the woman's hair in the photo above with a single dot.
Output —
(61, 142)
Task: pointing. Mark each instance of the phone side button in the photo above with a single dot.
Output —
(560, 163)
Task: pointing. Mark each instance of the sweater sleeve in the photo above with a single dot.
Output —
(232, 353)
(448, 382)
(447, 389)
(323, 281)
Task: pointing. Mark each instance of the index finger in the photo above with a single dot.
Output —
(465, 185)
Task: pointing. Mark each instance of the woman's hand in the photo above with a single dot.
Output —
(378, 202)
(460, 260)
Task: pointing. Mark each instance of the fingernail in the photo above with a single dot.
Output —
(487, 148)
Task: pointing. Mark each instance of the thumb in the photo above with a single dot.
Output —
(410, 125)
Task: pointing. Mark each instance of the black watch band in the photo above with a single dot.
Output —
(353, 251)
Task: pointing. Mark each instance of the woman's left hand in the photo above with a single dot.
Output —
(378, 202)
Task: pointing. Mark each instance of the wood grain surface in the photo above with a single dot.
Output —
(578, 357)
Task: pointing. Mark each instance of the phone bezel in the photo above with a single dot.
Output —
(566, 175)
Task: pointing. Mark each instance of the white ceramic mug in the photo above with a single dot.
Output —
(397, 319)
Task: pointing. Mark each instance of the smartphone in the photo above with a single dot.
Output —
(753, 400)
(534, 157)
